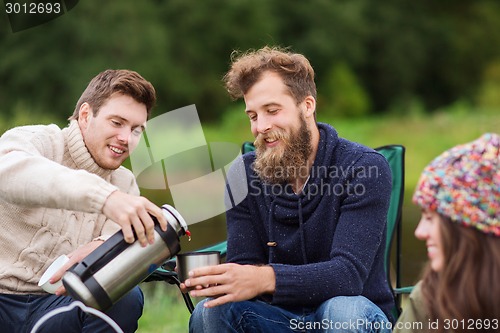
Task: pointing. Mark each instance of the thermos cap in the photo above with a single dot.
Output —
(174, 218)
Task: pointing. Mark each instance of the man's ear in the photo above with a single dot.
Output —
(310, 106)
(84, 115)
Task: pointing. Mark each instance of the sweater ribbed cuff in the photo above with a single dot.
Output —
(99, 197)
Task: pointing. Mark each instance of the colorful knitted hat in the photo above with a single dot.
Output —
(463, 183)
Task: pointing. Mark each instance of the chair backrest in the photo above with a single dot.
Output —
(395, 156)
(247, 147)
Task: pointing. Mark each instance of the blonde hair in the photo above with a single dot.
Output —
(247, 68)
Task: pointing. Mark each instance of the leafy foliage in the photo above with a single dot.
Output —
(395, 51)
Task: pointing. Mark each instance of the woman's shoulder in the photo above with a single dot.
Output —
(414, 317)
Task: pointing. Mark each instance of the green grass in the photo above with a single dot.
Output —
(164, 309)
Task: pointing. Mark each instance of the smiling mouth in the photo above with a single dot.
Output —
(431, 250)
(271, 143)
(116, 150)
(268, 140)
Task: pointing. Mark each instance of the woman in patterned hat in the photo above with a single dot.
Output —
(459, 194)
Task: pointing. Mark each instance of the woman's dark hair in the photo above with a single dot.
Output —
(467, 287)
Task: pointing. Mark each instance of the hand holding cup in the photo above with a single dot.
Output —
(188, 261)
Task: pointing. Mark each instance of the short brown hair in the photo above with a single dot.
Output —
(247, 68)
(111, 82)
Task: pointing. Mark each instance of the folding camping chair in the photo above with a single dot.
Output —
(395, 156)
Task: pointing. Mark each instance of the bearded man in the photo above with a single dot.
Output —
(301, 257)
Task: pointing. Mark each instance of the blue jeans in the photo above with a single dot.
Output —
(19, 313)
(338, 314)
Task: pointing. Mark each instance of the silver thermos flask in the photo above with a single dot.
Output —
(116, 267)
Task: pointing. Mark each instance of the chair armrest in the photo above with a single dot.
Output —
(161, 274)
(403, 290)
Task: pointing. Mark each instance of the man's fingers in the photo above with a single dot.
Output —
(59, 274)
(139, 230)
(149, 226)
(128, 235)
(216, 301)
(158, 213)
(133, 213)
(60, 291)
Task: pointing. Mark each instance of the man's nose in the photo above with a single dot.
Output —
(263, 124)
(124, 134)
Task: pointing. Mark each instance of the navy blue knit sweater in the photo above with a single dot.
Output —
(330, 239)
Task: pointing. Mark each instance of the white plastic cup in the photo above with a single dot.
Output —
(53, 268)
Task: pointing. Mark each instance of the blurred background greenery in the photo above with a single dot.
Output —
(425, 74)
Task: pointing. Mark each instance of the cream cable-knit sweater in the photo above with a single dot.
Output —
(51, 198)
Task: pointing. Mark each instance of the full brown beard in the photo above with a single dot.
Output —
(287, 162)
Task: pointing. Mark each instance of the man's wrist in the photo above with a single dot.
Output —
(269, 278)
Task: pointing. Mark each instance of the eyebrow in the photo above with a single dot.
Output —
(143, 127)
(266, 106)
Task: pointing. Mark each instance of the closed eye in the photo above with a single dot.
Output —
(252, 116)
(137, 131)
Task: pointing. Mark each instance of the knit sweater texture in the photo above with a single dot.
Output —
(51, 198)
(326, 241)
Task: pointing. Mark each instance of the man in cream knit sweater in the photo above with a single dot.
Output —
(64, 191)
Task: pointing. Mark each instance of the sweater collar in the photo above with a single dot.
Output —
(283, 197)
(79, 152)
(328, 138)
